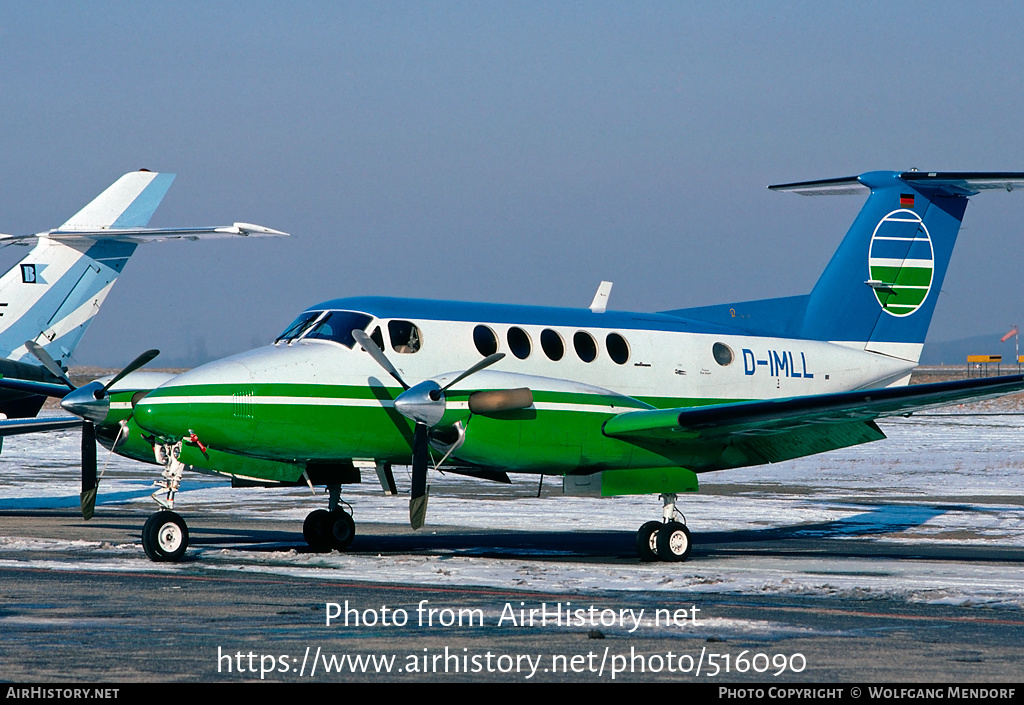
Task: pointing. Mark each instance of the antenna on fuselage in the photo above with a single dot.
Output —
(600, 302)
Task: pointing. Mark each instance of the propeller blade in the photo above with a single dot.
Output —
(135, 364)
(420, 491)
(89, 480)
(39, 352)
(89, 475)
(378, 355)
(486, 362)
(498, 400)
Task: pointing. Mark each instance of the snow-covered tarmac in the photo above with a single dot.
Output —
(941, 481)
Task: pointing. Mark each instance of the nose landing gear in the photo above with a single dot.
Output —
(165, 534)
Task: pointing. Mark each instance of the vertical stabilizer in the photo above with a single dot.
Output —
(52, 295)
(879, 291)
(127, 203)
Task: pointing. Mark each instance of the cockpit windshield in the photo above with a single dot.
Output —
(338, 326)
(299, 326)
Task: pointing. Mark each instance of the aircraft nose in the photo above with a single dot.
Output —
(192, 400)
(152, 416)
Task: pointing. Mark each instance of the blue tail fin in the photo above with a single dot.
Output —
(881, 286)
(879, 290)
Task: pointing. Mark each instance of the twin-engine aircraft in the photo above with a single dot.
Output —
(51, 296)
(612, 402)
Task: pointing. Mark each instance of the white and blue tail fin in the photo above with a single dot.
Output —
(52, 295)
(879, 290)
(129, 202)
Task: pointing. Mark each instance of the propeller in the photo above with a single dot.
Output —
(48, 362)
(425, 405)
(90, 403)
(377, 354)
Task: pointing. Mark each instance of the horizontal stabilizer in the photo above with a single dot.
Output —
(954, 183)
(141, 235)
(967, 183)
(844, 186)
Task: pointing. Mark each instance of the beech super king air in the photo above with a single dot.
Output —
(612, 402)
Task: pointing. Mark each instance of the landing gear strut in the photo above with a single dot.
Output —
(333, 529)
(666, 540)
(165, 534)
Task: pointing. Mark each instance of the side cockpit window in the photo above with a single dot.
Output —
(405, 336)
(299, 326)
(338, 326)
(378, 338)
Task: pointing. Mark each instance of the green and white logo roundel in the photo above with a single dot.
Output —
(901, 262)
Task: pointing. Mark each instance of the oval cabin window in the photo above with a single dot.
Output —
(586, 346)
(618, 348)
(552, 344)
(723, 354)
(519, 343)
(485, 340)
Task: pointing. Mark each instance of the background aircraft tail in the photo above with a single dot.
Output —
(51, 296)
(879, 290)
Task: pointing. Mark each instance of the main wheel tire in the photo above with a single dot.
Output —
(674, 542)
(165, 537)
(647, 541)
(342, 529)
(316, 530)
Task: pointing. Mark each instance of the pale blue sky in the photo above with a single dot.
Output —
(515, 152)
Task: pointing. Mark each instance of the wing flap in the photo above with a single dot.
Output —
(800, 442)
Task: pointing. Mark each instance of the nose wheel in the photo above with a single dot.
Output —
(165, 537)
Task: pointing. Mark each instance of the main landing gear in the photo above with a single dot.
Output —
(332, 528)
(665, 540)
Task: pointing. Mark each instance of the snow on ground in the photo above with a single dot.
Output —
(944, 478)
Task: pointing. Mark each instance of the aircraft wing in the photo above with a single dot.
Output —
(15, 427)
(140, 235)
(755, 432)
(47, 389)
